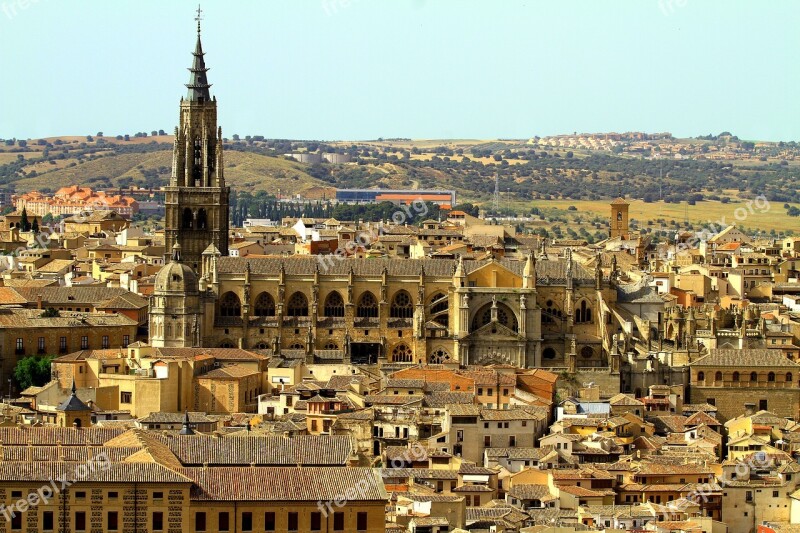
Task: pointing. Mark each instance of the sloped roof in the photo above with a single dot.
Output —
(749, 357)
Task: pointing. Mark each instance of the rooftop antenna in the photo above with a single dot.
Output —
(496, 199)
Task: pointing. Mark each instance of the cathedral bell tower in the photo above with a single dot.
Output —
(197, 198)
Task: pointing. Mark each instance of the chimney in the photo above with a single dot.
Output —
(38, 301)
(749, 408)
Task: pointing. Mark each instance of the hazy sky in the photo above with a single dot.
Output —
(361, 69)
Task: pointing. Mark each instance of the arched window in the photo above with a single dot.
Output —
(202, 218)
(505, 316)
(298, 305)
(587, 352)
(771, 376)
(331, 346)
(753, 376)
(402, 354)
(549, 353)
(367, 306)
(265, 305)
(334, 305)
(439, 309)
(439, 356)
(262, 346)
(230, 305)
(788, 377)
(296, 346)
(736, 376)
(187, 220)
(227, 344)
(551, 314)
(583, 313)
(701, 376)
(718, 376)
(402, 306)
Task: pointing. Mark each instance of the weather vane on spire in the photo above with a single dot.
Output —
(199, 17)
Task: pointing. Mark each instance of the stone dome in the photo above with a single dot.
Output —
(175, 276)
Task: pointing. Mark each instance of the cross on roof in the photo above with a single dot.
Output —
(199, 17)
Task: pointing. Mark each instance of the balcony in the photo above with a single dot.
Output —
(263, 322)
(331, 322)
(367, 322)
(296, 321)
(400, 323)
(228, 321)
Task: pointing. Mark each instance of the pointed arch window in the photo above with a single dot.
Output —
(402, 354)
(334, 305)
(264, 305)
(298, 305)
(583, 314)
(367, 306)
(402, 306)
(230, 305)
(187, 219)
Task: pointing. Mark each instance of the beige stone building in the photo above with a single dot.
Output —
(538, 312)
(737, 381)
(137, 481)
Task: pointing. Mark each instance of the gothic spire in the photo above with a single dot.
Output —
(198, 81)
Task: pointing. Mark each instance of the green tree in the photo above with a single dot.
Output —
(33, 371)
(35, 225)
(26, 226)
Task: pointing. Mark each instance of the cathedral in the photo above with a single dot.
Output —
(543, 311)
(197, 198)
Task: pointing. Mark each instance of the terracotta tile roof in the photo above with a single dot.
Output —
(624, 400)
(517, 413)
(311, 450)
(419, 497)
(547, 271)
(221, 354)
(581, 491)
(284, 484)
(751, 357)
(115, 473)
(78, 454)
(84, 296)
(102, 354)
(31, 318)
(175, 418)
(520, 453)
(653, 469)
(391, 399)
(9, 296)
(442, 399)
(418, 473)
(701, 417)
(526, 491)
(28, 283)
(229, 372)
(50, 435)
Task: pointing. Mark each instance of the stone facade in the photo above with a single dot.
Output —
(197, 198)
(538, 312)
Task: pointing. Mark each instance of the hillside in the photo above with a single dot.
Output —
(524, 171)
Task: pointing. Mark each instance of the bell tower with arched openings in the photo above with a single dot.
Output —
(619, 218)
(197, 198)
